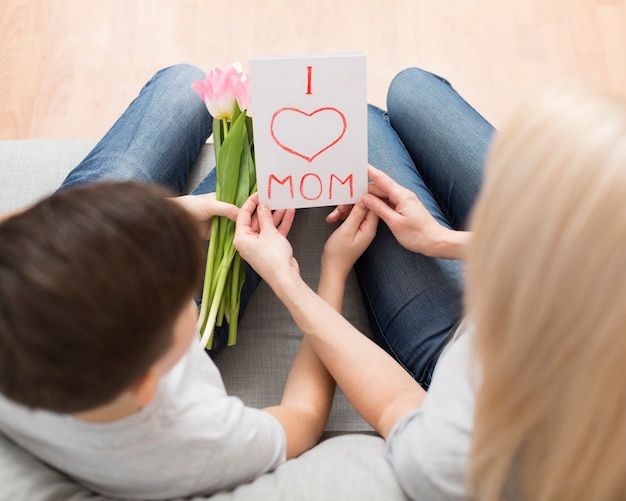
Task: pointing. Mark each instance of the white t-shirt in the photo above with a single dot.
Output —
(191, 439)
(429, 447)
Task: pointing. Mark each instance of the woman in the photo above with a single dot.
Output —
(547, 287)
(527, 399)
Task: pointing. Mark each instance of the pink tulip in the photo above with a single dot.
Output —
(236, 176)
(218, 91)
(242, 92)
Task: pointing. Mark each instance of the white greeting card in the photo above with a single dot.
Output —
(310, 129)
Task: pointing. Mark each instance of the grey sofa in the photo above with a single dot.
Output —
(348, 463)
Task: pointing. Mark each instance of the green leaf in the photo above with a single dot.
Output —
(251, 175)
(229, 159)
(236, 111)
(238, 277)
(217, 137)
(243, 187)
(250, 131)
(208, 275)
(225, 233)
(216, 300)
(236, 180)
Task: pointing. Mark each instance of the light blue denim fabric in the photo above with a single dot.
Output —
(157, 140)
(431, 141)
(434, 143)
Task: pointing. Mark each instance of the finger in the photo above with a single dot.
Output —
(370, 222)
(340, 212)
(244, 217)
(225, 209)
(277, 216)
(206, 205)
(380, 208)
(355, 218)
(377, 191)
(254, 225)
(393, 190)
(287, 220)
(333, 216)
(266, 222)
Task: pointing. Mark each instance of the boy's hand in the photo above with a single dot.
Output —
(203, 207)
(340, 212)
(349, 240)
(260, 239)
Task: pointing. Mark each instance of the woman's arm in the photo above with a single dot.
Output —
(309, 390)
(407, 218)
(374, 383)
(308, 378)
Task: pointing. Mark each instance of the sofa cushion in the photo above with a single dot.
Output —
(346, 467)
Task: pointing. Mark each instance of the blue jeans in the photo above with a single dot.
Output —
(433, 143)
(157, 140)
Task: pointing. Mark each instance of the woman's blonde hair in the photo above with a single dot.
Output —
(546, 286)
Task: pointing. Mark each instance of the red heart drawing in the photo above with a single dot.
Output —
(328, 142)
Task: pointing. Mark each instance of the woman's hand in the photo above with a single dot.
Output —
(349, 241)
(410, 222)
(203, 207)
(261, 240)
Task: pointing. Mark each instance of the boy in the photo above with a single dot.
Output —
(100, 372)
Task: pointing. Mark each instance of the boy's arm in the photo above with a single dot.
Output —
(203, 207)
(308, 395)
(306, 402)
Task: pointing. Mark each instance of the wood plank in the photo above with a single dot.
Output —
(68, 68)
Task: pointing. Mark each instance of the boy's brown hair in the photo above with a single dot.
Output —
(92, 280)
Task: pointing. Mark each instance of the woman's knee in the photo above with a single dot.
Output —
(178, 74)
(171, 87)
(376, 117)
(414, 85)
(182, 70)
(383, 144)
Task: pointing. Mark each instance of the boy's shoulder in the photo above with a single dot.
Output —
(190, 433)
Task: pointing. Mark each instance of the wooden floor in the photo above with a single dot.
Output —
(68, 68)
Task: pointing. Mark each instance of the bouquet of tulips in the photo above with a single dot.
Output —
(226, 94)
